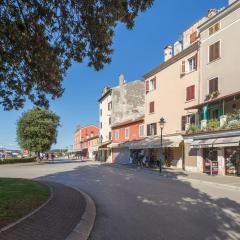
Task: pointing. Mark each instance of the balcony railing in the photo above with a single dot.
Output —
(228, 121)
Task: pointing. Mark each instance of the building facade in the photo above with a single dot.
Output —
(86, 141)
(127, 117)
(213, 142)
(105, 114)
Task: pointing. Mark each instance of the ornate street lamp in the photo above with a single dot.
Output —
(161, 123)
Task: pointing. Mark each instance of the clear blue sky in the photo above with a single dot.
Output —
(135, 53)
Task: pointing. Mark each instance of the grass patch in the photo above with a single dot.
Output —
(19, 197)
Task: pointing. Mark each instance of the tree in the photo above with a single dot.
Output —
(40, 39)
(37, 130)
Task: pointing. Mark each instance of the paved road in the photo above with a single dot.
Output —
(138, 205)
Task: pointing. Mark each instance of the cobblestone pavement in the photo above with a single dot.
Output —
(52, 222)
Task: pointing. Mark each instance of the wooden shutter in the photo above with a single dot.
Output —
(151, 107)
(148, 129)
(214, 51)
(154, 83)
(155, 128)
(217, 50)
(193, 37)
(195, 61)
(213, 85)
(183, 67)
(190, 92)
(147, 87)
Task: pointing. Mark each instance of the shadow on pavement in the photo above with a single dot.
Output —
(139, 205)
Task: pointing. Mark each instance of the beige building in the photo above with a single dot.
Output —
(213, 142)
(170, 88)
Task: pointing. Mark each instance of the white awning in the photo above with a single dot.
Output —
(155, 142)
(203, 143)
(216, 142)
(227, 142)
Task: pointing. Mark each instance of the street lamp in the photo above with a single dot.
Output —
(81, 151)
(161, 123)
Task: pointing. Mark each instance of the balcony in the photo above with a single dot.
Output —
(223, 114)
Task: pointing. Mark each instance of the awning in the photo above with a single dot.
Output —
(227, 142)
(216, 142)
(155, 142)
(104, 145)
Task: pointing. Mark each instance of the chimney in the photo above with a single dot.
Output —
(121, 79)
(212, 12)
(168, 52)
(177, 47)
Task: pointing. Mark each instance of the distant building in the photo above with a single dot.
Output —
(86, 141)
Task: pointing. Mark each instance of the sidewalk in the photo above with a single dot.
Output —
(56, 220)
(227, 181)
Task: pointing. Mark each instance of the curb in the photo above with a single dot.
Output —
(31, 213)
(84, 227)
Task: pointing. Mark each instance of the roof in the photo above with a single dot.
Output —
(173, 60)
(105, 94)
(128, 122)
(221, 14)
(213, 101)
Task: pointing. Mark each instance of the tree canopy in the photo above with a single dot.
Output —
(39, 39)
(37, 130)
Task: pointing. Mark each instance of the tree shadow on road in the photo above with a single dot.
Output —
(148, 206)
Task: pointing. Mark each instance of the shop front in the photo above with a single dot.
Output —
(218, 152)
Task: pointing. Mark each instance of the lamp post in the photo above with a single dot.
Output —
(81, 152)
(161, 123)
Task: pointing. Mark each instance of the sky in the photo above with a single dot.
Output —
(136, 52)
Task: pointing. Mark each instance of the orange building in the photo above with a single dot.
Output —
(125, 132)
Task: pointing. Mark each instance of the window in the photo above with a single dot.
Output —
(192, 63)
(152, 84)
(141, 131)
(109, 106)
(116, 134)
(213, 85)
(190, 93)
(193, 37)
(110, 135)
(100, 125)
(151, 107)
(152, 129)
(184, 121)
(126, 133)
(183, 69)
(214, 28)
(214, 51)
(92, 134)
(100, 112)
(109, 121)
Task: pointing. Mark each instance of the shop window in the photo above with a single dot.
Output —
(126, 133)
(232, 161)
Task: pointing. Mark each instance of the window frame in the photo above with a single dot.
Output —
(141, 126)
(151, 112)
(116, 134)
(209, 84)
(125, 135)
(220, 52)
(194, 92)
(219, 27)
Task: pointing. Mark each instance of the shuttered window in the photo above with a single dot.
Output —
(214, 51)
(152, 129)
(193, 37)
(183, 69)
(151, 107)
(190, 93)
(213, 85)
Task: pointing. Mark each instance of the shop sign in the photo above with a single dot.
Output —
(214, 168)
